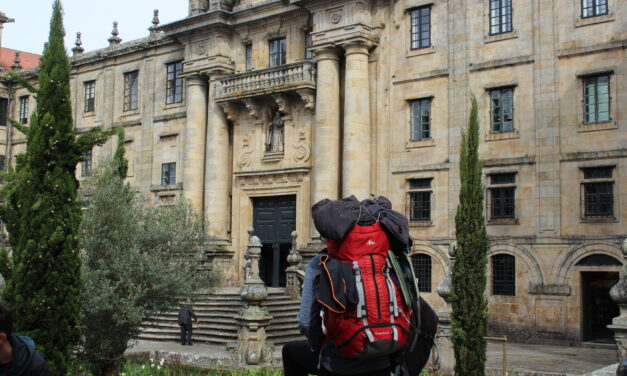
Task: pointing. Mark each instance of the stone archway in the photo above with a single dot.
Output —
(569, 260)
(537, 278)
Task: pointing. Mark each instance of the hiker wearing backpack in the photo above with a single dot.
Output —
(360, 308)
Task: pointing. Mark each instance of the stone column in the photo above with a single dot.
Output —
(619, 295)
(194, 149)
(326, 144)
(356, 166)
(443, 336)
(218, 168)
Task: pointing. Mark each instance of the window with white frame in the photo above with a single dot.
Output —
(131, 91)
(502, 109)
(23, 109)
(596, 99)
(277, 52)
(174, 83)
(248, 56)
(168, 173)
(90, 96)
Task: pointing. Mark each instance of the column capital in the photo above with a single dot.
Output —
(195, 78)
(327, 53)
(357, 47)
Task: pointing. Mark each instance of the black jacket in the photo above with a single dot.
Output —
(186, 314)
(26, 360)
(335, 218)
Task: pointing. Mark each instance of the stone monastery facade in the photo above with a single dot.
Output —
(256, 109)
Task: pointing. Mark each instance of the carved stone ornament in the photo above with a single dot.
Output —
(335, 17)
(230, 110)
(308, 96)
(244, 159)
(252, 107)
(303, 152)
(281, 102)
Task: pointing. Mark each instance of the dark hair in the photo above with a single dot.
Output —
(6, 319)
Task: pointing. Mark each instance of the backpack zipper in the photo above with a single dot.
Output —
(376, 286)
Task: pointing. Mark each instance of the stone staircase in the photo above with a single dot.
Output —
(217, 324)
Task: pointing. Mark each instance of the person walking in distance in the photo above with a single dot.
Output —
(186, 314)
(17, 353)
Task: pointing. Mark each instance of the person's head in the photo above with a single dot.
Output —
(189, 301)
(6, 322)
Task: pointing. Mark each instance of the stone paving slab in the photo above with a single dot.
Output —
(522, 359)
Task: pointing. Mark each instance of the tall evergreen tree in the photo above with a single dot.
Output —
(42, 212)
(470, 307)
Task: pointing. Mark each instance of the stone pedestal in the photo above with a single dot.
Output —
(619, 295)
(325, 181)
(194, 150)
(253, 319)
(218, 168)
(294, 273)
(443, 338)
(356, 166)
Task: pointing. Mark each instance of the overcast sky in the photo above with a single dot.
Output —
(93, 18)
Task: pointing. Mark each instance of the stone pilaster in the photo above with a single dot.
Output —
(619, 295)
(194, 149)
(356, 164)
(326, 144)
(217, 168)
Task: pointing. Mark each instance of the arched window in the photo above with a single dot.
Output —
(422, 268)
(503, 275)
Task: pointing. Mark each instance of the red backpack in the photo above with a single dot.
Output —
(365, 315)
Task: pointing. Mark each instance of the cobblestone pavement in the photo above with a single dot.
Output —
(522, 359)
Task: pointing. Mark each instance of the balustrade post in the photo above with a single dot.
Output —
(293, 283)
(252, 348)
(619, 294)
(443, 336)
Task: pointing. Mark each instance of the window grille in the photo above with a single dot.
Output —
(502, 109)
(248, 52)
(90, 96)
(500, 16)
(422, 270)
(419, 200)
(174, 83)
(598, 192)
(593, 8)
(24, 109)
(277, 52)
(131, 91)
(87, 163)
(503, 275)
(596, 97)
(420, 119)
(3, 167)
(4, 111)
(168, 173)
(502, 196)
(420, 27)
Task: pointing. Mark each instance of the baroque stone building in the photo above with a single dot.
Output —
(256, 109)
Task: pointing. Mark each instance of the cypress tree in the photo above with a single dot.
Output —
(470, 308)
(42, 212)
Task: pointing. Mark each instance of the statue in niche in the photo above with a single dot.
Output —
(274, 134)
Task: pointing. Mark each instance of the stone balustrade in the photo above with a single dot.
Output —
(289, 77)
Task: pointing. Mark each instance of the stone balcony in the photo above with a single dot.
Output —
(277, 82)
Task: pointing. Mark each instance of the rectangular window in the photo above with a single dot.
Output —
(419, 200)
(500, 16)
(174, 83)
(277, 52)
(87, 163)
(168, 173)
(503, 275)
(308, 42)
(502, 109)
(4, 111)
(502, 196)
(593, 8)
(131, 91)
(24, 109)
(598, 192)
(422, 269)
(90, 96)
(249, 56)
(596, 98)
(420, 27)
(3, 167)
(420, 119)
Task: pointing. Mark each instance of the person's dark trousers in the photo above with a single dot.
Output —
(186, 334)
(299, 360)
